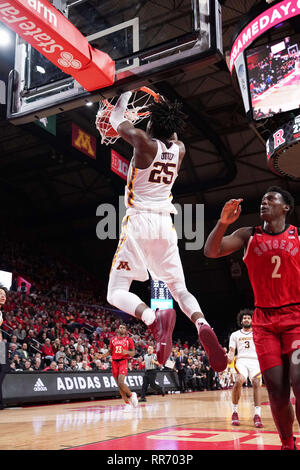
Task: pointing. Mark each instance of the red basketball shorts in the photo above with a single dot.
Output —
(119, 367)
(276, 333)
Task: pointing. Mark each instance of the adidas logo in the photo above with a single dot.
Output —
(39, 386)
(166, 380)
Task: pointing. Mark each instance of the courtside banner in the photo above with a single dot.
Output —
(118, 164)
(268, 19)
(57, 39)
(30, 387)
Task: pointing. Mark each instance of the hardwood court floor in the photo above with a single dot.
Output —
(189, 421)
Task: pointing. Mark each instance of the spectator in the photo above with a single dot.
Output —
(194, 378)
(60, 367)
(51, 368)
(65, 339)
(60, 353)
(27, 366)
(14, 340)
(84, 366)
(23, 353)
(47, 350)
(37, 364)
(12, 351)
(96, 365)
(20, 333)
(17, 363)
(180, 364)
(73, 366)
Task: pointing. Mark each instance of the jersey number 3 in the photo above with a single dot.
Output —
(162, 173)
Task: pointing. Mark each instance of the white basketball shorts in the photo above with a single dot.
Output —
(148, 242)
(248, 368)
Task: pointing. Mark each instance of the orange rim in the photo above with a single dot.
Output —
(145, 89)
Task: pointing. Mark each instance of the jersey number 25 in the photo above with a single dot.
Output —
(162, 173)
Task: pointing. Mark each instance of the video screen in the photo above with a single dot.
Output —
(274, 77)
(160, 296)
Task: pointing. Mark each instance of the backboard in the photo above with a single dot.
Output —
(147, 39)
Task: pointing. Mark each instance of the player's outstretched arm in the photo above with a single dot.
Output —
(217, 244)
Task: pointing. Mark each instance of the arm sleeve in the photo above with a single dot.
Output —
(117, 115)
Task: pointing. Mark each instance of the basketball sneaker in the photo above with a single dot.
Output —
(162, 329)
(257, 422)
(235, 419)
(216, 354)
(288, 447)
(127, 408)
(134, 399)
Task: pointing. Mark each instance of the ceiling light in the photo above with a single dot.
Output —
(40, 69)
(4, 38)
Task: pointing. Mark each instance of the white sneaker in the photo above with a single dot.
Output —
(134, 399)
(127, 408)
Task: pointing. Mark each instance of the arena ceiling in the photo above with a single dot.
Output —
(54, 190)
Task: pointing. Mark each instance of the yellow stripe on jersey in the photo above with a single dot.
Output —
(257, 376)
(121, 242)
(232, 363)
(130, 187)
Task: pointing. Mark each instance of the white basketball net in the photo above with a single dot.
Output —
(136, 111)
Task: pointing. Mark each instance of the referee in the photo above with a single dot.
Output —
(150, 361)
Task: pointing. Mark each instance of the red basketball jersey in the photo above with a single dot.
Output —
(117, 343)
(273, 263)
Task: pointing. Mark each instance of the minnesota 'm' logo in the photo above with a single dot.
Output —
(83, 141)
(124, 265)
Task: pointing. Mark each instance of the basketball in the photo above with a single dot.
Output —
(104, 126)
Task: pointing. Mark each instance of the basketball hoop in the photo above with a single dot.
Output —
(136, 111)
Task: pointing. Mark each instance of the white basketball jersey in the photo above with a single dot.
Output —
(242, 341)
(150, 189)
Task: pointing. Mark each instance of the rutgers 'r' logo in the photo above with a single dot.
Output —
(278, 138)
(124, 265)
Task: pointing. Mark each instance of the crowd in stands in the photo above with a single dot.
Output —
(45, 334)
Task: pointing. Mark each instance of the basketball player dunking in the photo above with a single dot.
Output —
(272, 257)
(148, 240)
(121, 348)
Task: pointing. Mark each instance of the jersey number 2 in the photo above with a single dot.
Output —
(162, 173)
(277, 261)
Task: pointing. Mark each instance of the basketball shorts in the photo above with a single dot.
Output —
(276, 333)
(119, 367)
(148, 243)
(248, 368)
